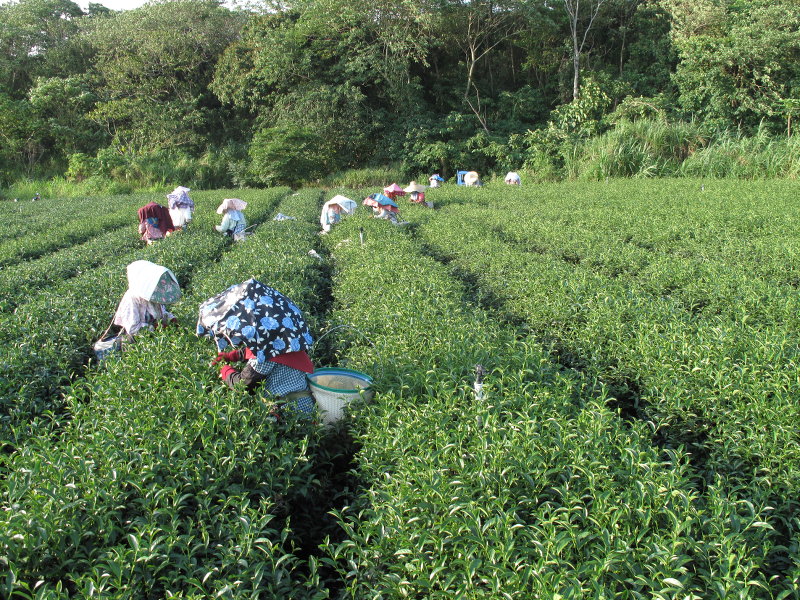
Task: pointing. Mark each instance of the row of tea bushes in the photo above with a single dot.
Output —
(59, 224)
(708, 377)
(49, 339)
(710, 310)
(23, 281)
(24, 219)
(537, 490)
(172, 485)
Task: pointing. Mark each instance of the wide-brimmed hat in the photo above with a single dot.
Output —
(231, 204)
(415, 187)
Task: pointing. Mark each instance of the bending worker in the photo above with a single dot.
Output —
(233, 221)
(273, 336)
(332, 211)
(155, 222)
(180, 207)
(150, 287)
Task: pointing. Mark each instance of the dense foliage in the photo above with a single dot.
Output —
(191, 91)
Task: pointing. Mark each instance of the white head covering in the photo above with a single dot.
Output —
(347, 205)
(512, 177)
(415, 187)
(471, 178)
(231, 204)
(152, 282)
(149, 285)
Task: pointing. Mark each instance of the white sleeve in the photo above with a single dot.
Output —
(130, 315)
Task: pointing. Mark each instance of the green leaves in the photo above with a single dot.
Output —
(635, 437)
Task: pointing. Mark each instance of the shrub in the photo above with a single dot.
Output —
(366, 177)
(81, 166)
(287, 155)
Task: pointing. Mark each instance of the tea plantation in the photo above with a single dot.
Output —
(637, 437)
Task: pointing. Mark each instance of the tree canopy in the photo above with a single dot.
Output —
(431, 84)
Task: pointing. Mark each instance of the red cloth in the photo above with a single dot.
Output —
(226, 371)
(296, 360)
(232, 356)
(156, 211)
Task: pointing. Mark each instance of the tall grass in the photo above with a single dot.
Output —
(758, 157)
(367, 177)
(642, 148)
(656, 148)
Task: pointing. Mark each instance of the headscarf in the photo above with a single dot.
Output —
(158, 212)
(179, 198)
(149, 285)
(231, 204)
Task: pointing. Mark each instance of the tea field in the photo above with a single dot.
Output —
(636, 438)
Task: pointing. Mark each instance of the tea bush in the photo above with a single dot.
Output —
(539, 490)
(635, 438)
(49, 339)
(25, 236)
(175, 486)
(681, 305)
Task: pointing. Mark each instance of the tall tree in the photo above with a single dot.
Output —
(61, 105)
(483, 26)
(153, 65)
(739, 59)
(333, 68)
(37, 39)
(20, 143)
(582, 16)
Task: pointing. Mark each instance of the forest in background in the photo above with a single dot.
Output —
(316, 91)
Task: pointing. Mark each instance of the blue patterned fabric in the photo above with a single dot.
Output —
(179, 198)
(257, 316)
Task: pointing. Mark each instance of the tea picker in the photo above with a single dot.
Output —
(155, 222)
(256, 324)
(435, 180)
(181, 207)
(416, 193)
(150, 287)
(384, 207)
(393, 191)
(332, 211)
(233, 221)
